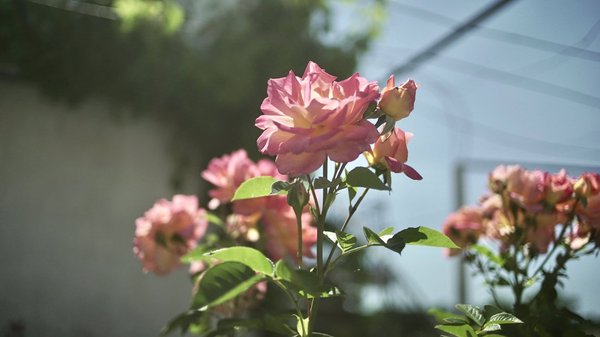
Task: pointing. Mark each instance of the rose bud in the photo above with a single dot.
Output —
(398, 102)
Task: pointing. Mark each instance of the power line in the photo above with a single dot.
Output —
(511, 37)
(439, 45)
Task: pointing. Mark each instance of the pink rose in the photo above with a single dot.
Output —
(227, 173)
(391, 153)
(527, 188)
(464, 227)
(559, 191)
(307, 119)
(540, 234)
(281, 231)
(498, 178)
(167, 231)
(398, 102)
(588, 212)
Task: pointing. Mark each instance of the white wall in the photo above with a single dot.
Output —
(72, 182)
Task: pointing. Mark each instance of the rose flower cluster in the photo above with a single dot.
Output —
(525, 208)
(314, 117)
(305, 121)
(170, 229)
(276, 218)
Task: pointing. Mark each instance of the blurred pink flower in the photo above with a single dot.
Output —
(498, 178)
(464, 227)
(390, 152)
(588, 188)
(398, 102)
(227, 173)
(527, 188)
(307, 119)
(279, 221)
(541, 234)
(167, 231)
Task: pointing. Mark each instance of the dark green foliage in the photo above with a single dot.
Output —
(206, 84)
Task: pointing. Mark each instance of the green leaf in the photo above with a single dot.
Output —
(503, 318)
(473, 312)
(246, 255)
(490, 310)
(424, 236)
(442, 316)
(267, 322)
(214, 219)
(280, 187)
(303, 281)
(351, 193)
(196, 254)
(331, 236)
(363, 177)
(277, 324)
(345, 241)
(254, 188)
(302, 326)
(491, 327)
(372, 237)
(223, 282)
(395, 243)
(322, 182)
(386, 231)
(183, 321)
(458, 330)
(485, 251)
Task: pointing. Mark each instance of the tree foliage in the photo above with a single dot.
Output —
(205, 80)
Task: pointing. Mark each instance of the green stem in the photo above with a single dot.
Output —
(291, 297)
(300, 254)
(551, 252)
(314, 305)
(351, 212)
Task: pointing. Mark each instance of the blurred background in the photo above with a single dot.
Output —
(106, 106)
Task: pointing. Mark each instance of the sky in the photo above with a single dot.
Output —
(510, 91)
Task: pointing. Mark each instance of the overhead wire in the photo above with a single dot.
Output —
(510, 37)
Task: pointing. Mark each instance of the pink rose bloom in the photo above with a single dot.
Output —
(398, 102)
(167, 231)
(281, 230)
(559, 191)
(307, 119)
(391, 153)
(464, 227)
(527, 188)
(588, 187)
(541, 234)
(227, 173)
(498, 178)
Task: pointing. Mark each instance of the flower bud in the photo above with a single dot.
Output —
(398, 102)
(391, 153)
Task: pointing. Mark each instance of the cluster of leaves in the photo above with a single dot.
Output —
(543, 311)
(473, 321)
(241, 268)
